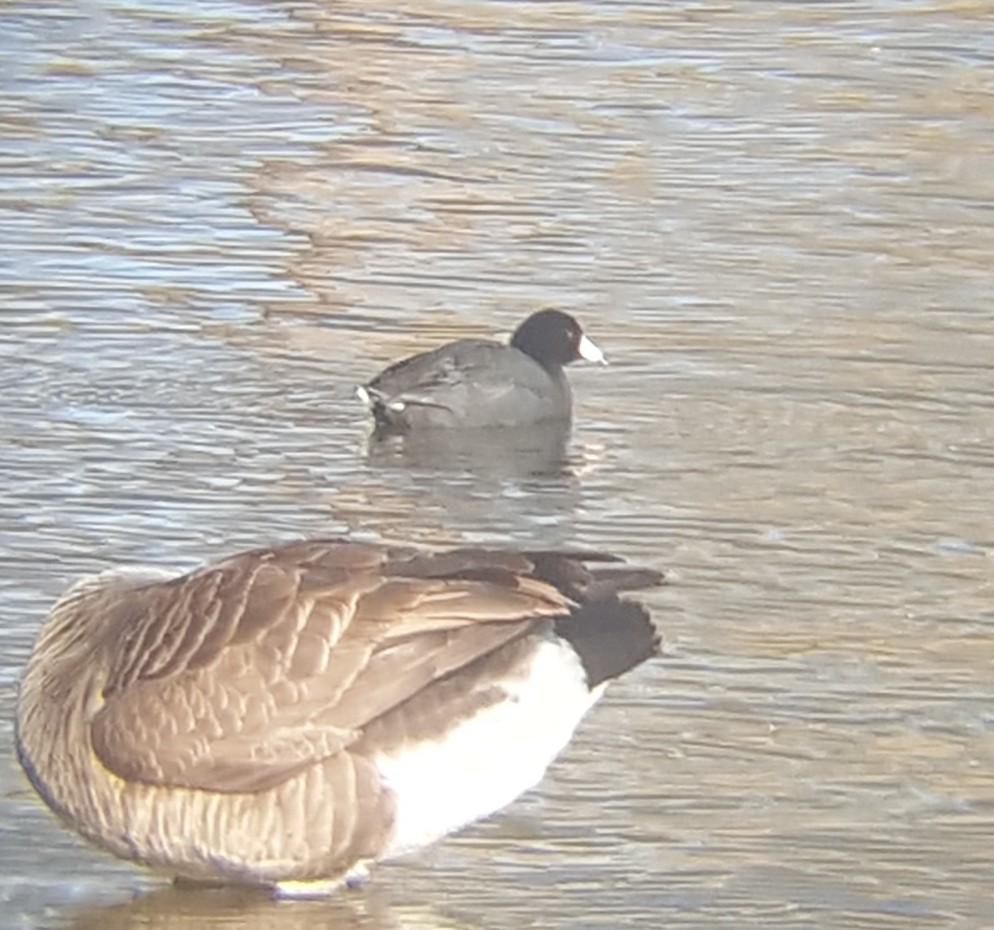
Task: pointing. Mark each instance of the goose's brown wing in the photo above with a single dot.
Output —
(241, 674)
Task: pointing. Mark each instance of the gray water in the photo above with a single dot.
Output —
(778, 221)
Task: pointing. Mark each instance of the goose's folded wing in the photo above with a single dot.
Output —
(238, 676)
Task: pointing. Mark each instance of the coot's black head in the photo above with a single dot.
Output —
(554, 339)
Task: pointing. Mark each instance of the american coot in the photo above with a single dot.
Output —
(290, 715)
(479, 383)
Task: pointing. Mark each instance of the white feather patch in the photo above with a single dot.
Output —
(486, 761)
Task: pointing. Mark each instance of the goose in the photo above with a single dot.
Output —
(479, 383)
(288, 716)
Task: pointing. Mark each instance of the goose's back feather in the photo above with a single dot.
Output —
(239, 675)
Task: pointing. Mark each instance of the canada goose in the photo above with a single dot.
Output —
(289, 715)
(474, 383)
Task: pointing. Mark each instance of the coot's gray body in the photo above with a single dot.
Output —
(478, 383)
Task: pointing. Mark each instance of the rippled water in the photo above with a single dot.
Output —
(777, 220)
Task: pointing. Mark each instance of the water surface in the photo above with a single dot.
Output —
(775, 218)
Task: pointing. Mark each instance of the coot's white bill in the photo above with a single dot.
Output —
(590, 351)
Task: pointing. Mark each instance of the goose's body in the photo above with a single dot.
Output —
(287, 716)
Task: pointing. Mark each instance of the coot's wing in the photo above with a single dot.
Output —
(472, 383)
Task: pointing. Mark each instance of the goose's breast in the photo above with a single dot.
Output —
(510, 727)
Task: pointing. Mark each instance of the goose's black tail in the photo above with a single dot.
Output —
(611, 636)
